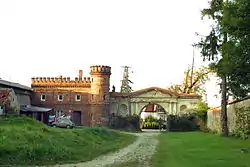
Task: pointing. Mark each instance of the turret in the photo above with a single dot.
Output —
(99, 94)
(100, 82)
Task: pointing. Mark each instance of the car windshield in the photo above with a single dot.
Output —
(66, 120)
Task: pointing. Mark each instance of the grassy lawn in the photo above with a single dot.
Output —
(25, 141)
(195, 149)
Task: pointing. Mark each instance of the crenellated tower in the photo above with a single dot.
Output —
(99, 94)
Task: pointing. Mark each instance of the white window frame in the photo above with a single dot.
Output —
(42, 97)
(78, 99)
(58, 98)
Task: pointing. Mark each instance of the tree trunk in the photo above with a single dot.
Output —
(223, 116)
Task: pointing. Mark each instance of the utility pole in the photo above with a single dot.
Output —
(192, 67)
(125, 87)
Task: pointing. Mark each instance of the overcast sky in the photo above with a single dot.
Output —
(49, 38)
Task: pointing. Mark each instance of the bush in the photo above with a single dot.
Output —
(242, 124)
(150, 125)
(201, 121)
(182, 123)
(131, 122)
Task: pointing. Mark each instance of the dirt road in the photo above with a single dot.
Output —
(141, 150)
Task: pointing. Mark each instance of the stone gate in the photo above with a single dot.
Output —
(125, 104)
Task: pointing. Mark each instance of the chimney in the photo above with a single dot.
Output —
(80, 75)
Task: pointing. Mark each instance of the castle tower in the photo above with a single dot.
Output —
(99, 94)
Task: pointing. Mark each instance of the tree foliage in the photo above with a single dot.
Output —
(212, 51)
(236, 22)
(201, 106)
(228, 48)
(192, 83)
(228, 44)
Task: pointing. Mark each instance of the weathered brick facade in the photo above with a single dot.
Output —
(86, 99)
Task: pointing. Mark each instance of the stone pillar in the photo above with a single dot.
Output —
(169, 108)
(136, 108)
(175, 108)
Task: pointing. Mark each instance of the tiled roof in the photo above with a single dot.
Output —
(164, 91)
(218, 109)
(14, 85)
(149, 108)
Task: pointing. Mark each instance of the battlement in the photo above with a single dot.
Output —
(98, 69)
(61, 81)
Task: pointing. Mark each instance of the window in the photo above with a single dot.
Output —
(1, 110)
(104, 97)
(60, 97)
(58, 113)
(78, 98)
(43, 98)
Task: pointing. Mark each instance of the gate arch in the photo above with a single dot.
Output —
(157, 111)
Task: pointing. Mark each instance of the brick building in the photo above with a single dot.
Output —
(86, 99)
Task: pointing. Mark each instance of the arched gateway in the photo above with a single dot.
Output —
(125, 104)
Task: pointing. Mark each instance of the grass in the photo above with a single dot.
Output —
(196, 149)
(25, 141)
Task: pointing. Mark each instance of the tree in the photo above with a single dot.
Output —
(236, 22)
(201, 106)
(192, 82)
(227, 47)
(212, 50)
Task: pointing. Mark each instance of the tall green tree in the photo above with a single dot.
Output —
(228, 48)
(236, 22)
(212, 50)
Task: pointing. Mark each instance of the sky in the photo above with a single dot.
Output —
(49, 38)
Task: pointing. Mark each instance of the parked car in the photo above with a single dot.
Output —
(63, 123)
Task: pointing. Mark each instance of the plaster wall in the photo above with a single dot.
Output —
(135, 104)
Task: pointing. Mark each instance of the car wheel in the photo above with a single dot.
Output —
(54, 126)
(68, 127)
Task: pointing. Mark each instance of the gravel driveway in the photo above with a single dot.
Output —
(141, 150)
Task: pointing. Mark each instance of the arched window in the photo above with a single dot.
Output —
(183, 107)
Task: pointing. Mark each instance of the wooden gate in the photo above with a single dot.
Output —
(76, 117)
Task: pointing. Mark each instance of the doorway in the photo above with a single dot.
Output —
(76, 117)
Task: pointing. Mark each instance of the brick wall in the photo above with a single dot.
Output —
(68, 105)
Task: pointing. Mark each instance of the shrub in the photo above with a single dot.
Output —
(131, 122)
(150, 125)
(182, 123)
(201, 120)
(242, 124)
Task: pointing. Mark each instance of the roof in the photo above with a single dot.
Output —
(30, 108)
(218, 108)
(149, 108)
(14, 85)
(164, 91)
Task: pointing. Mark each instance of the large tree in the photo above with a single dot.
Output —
(236, 22)
(193, 82)
(226, 49)
(211, 50)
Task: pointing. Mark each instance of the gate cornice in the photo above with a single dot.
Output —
(149, 101)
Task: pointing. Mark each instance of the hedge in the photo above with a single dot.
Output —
(242, 126)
